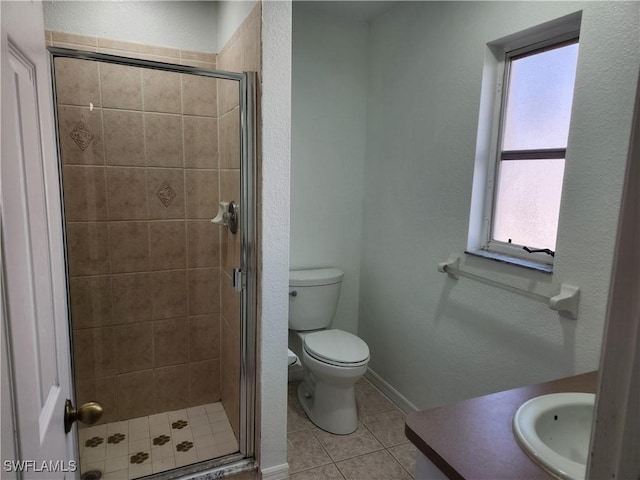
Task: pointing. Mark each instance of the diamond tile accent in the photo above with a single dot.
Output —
(81, 135)
(166, 194)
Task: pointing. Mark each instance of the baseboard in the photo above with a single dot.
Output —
(279, 472)
(395, 396)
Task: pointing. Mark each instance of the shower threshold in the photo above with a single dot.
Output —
(141, 446)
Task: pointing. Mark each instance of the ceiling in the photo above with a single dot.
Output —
(363, 11)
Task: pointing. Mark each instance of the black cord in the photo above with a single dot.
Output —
(539, 250)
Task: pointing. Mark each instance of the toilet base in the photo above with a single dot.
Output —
(331, 409)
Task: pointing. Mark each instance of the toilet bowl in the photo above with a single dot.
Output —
(333, 360)
(327, 391)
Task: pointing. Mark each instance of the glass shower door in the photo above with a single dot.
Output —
(147, 156)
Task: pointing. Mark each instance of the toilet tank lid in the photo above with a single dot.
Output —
(316, 276)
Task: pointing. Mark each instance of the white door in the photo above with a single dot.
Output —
(34, 294)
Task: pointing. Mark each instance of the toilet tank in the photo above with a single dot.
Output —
(313, 297)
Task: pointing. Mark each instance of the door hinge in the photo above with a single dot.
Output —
(239, 279)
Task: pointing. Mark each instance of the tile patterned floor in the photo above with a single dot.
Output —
(141, 446)
(378, 449)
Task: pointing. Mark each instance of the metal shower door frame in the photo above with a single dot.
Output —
(248, 250)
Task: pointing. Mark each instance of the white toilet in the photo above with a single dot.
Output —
(332, 360)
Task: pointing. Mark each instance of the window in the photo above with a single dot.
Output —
(523, 188)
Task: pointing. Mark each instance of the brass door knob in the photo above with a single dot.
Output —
(88, 413)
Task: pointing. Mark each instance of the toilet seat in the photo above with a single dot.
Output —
(337, 347)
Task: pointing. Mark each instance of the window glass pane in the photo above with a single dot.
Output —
(539, 99)
(528, 202)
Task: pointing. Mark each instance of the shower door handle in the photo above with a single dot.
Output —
(238, 280)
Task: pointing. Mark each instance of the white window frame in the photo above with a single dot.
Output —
(504, 53)
(498, 155)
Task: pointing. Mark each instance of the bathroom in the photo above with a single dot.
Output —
(390, 218)
(385, 107)
(155, 129)
(382, 154)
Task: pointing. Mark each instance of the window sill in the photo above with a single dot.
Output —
(519, 262)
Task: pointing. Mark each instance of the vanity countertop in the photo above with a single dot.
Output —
(473, 439)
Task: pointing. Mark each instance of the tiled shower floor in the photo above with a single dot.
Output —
(142, 446)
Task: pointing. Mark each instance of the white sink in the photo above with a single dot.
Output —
(554, 430)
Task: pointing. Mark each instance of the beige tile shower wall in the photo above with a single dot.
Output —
(241, 53)
(141, 181)
(131, 49)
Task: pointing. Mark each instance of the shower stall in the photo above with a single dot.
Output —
(161, 296)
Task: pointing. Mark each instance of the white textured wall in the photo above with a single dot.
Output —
(329, 97)
(434, 339)
(189, 25)
(229, 16)
(276, 158)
